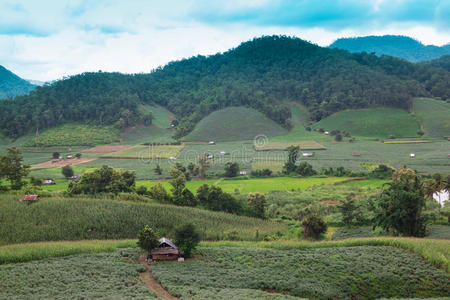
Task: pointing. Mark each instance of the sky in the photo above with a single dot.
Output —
(49, 39)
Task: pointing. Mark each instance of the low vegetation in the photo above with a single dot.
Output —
(147, 152)
(322, 273)
(234, 124)
(374, 122)
(75, 135)
(101, 275)
(55, 219)
(433, 116)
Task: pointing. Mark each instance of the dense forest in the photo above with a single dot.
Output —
(393, 45)
(264, 74)
(12, 85)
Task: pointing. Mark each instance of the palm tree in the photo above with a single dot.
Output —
(436, 184)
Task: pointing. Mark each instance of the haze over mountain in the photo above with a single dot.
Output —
(393, 45)
(265, 73)
(12, 85)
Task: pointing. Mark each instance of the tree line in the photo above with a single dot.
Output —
(265, 73)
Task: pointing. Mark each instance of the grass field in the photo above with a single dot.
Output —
(54, 219)
(433, 115)
(82, 276)
(75, 135)
(322, 273)
(304, 145)
(375, 122)
(410, 141)
(234, 124)
(147, 152)
(261, 185)
(299, 120)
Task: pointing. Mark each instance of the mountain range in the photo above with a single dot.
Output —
(12, 85)
(393, 45)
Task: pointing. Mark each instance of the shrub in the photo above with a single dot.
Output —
(338, 138)
(55, 155)
(187, 239)
(147, 238)
(258, 202)
(231, 169)
(67, 171)
(313, 226)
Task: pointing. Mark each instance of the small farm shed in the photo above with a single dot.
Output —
(243, 173)
(212, 143)
(166, 251)
(356, 154)
(29, 198)
(412, 155)
(308, 154)
(75, 177)
(49, 182)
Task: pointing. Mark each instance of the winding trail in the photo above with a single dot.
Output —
(151, 282)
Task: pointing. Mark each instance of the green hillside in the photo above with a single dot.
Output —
(263, 74)
(375, 122)
(433, 115)
(299, 120)
(54, 219)
(233, 124)
(12, 85)
(158, 132)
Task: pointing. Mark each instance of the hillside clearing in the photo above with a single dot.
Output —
(106, 149)
(433, 115)
(147, 152)
(62, 162)
(378, 122)
(234, 124)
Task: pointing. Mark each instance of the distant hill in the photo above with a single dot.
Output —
(266, 74)
(234, 123)
(393, 45)
(12, 85)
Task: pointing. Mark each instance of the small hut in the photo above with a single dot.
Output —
(356, 154)
(412, 155)
(29, 199)
(308, 154)
(166, 251)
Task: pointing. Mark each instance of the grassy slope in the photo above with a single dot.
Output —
(375, 122)
(299, 119)
(75, 135)
(433, 115)
(158, 132)
(322, 273)
(234, 124)
(77, 219)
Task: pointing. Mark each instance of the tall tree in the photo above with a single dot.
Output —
(13, 168)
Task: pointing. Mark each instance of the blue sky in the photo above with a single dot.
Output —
(46, 40)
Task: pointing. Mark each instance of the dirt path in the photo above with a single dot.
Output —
(62, 162)
(151, 282)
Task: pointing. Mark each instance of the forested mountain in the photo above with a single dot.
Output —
(442, 62)
(264, 74)
(12, 85)
(393, 45)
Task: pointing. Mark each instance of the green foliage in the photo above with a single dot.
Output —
(58, 219)
(67, 171)
(158, 170)
(305, 169)
(104, 180)
(75, 135)
(351, 213)
(258, 202)
(231, 169)
(147, 238)
(187, 239)
(234, 124)
(213, 198)
(343, 273)
(401, 205)
(374, 122)
(88, 276)
(289, 166)
(159, 193)
(313, 226)
(13, 169)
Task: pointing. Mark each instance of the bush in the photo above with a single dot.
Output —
(187, 239)
(313, 226)
(338, 138)
(231, 169)
(67, 171)
(262, 173)
(147, 238)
